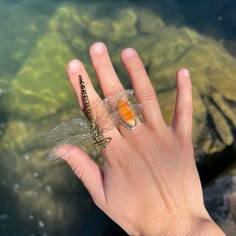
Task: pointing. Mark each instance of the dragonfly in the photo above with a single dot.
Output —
(118, 109)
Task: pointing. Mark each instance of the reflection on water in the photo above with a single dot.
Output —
(38, 39)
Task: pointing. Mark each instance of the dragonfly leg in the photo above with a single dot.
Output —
(102, 143)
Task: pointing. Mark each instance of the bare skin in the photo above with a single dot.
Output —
(149, 184)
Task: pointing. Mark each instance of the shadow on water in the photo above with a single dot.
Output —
(211, 166)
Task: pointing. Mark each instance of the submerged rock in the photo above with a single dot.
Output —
(220, 201)
(41, 90)
(123, 27)
(41, 87)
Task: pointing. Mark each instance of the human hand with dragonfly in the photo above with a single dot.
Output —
(149, 184)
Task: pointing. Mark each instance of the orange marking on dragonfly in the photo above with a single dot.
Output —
(126, 114)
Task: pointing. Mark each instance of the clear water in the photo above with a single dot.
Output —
(37, 39)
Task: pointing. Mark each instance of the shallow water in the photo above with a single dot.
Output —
(37, 40)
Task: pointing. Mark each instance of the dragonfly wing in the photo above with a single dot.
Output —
(111, 101)
(76, 140)
(137, 108)
(67, 129)
(106, 114)
(112, 104)
(52, 156)
(75, 132)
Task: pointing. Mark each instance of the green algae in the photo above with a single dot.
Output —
(40, 91)
(41, 86)
(20, 29)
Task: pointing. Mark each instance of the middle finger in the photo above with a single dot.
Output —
(110, 83)
(108, 80)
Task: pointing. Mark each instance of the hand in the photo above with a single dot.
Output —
(149, 184)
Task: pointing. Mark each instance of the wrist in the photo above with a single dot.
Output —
(196, 227)
(182, 226)
(207, 227)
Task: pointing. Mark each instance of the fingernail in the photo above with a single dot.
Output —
(129, 52)
(74, 66)
(185, 72)
(98, 48)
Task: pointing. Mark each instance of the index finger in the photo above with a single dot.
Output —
(76, 69)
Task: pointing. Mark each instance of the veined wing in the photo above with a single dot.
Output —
(126, 95)
(76, 132)
(106, 113)
(124, 108)
(67, 129)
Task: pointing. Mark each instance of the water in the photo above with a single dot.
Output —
(37, 40)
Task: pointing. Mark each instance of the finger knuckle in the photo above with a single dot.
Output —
(79, 169)
(187, 110)
(148, 94)
(104, 66)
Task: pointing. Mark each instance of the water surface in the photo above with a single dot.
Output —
(37, 40)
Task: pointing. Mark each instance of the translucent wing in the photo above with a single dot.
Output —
(78, 132)
(66, 129)
(105, 112)
(128, 96)
(75, 132)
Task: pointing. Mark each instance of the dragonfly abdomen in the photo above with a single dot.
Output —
(97, 134)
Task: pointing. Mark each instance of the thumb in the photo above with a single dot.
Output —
(86, 170)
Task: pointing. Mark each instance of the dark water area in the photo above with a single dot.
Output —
(215, 19)
(38, 38)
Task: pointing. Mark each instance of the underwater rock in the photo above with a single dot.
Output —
(44, 196)
(123, 27)
(41, 90)
(212, 72)
(149, 22)
(41, 86)
(27, 137)
(20, 29)
(42, 192)
(71, 22)
(220, 201)
(33, 93)
(20, 136)
(213, 77)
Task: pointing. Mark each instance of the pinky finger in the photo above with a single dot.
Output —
(182, 121)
